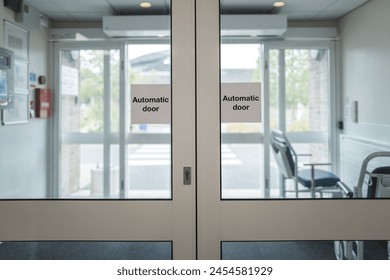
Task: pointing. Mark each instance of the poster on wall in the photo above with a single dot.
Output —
(16, 40)
(70, 84)
(21, 76)
(19, 113)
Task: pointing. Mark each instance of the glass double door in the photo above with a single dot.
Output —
(187, 176)
(297, 99)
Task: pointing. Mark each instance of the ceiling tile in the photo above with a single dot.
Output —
(345, 6)
(60, 16)
(44, 5)
(338, 9)
(298, 15)
(87, 16)
(134, 5)
(328, 16)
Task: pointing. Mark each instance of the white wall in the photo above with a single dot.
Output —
(24, 147)
(365, 76)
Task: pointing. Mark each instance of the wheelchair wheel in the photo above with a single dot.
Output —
(339, 250)
(388, 250)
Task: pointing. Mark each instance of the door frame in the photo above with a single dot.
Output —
(91, 138)
(300, 137)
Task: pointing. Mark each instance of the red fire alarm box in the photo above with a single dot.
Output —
(42, 103)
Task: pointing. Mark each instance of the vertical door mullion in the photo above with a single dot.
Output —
(183, 127)
(333, 135)
(266, 117)
(54, 186)
(282, 104)
(282, 90)
(124, 122)
(107, 122)
(208, 128)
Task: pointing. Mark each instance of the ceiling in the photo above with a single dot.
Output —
(94, 10)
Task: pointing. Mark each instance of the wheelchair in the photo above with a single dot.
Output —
(371, 184)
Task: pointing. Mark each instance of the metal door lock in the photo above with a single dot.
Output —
(187, 175)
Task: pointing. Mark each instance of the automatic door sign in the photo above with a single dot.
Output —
(241, 102)
(150, 104)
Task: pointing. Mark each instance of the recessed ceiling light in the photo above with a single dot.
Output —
(145, 5)
(279, 4)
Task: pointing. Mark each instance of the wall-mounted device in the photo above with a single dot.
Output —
(6, 78)
(42, 103)
(14, 5)
(28, 15)
(355, 111)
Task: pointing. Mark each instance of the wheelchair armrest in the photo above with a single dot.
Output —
(345, 189)
(316, 163)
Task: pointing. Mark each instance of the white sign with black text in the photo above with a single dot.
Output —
(241, 102)
(150, 104)
(70, 84)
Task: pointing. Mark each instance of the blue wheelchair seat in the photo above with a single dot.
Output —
(322, 178)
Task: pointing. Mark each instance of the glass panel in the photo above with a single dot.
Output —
(150, 172)
(115, 91)
(150, 65)
(90, 123)
(81, 164)
(274, 87)
(307, 90)
(299, 104)
(242, 166)
(242, 152)
(317, 152)
(82, 91)
(149, 153)
(89, 92)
